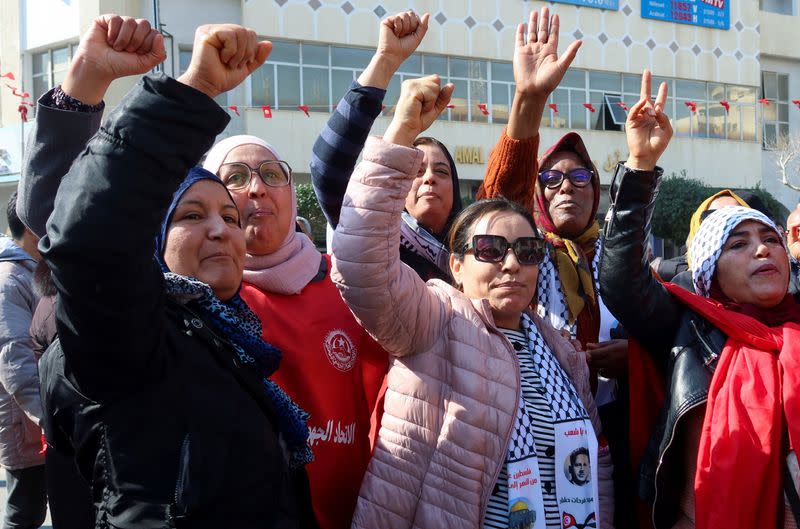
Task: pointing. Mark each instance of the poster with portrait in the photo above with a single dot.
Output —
(576, 473)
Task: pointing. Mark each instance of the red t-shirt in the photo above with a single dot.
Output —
(334, 370)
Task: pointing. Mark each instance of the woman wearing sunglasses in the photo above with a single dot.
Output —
(485, 402)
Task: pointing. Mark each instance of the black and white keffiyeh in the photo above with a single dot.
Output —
(710, 239)
(551, 305)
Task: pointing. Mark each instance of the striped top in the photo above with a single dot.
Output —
(533, 393)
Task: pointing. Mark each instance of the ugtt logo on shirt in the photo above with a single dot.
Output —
(340, 350)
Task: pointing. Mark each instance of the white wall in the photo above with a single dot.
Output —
(48, 21)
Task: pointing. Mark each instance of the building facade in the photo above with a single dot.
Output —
(733, 70)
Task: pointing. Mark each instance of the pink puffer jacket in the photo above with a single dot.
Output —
(454, 385)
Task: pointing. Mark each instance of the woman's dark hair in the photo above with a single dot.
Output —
(457, 204)
(459, 235)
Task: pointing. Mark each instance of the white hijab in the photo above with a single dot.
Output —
(296, 262)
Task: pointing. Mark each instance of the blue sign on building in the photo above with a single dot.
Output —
(599, 4)
(707, 13)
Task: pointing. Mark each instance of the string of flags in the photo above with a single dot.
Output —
(266, 110)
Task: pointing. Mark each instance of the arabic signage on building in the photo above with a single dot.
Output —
(706, 13)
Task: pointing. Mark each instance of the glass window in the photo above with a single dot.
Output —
(561, 100)
(770, 136)
(749, 123)
(315, 54)
(574, 79)
(412, 65)
(41, 63)
(435, 64)
(716, 92)
(184, 58)
(716, 121)
(41, 84)
(769, 85)
(691, 90)
(315, 89)
(781, 7)
(577, 112)
(632, 84)
(460, 110)
(61, 58)
(597, 118)
(502, 71)
(656, 83)
(284, 52)
(701, 121)
(288, 86)
(783, 87)
(500, 103)
(478, 91)
(459, 68)
(262, 85)
(683, 120)
(607, 82)
(341, 81)
(350, 57)
(392, 93)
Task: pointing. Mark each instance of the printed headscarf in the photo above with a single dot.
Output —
(296, 262)
(571, 255)
(697, 217)
(234, 321)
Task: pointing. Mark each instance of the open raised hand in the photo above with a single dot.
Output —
(114, 46)
(537, 67)
(647, 128)
(420, 103)
(222, 57)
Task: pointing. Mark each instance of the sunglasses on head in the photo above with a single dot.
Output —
(493, 249)
(553, 178)
(237, 175)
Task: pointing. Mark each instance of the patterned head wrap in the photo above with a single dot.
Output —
(710, 239)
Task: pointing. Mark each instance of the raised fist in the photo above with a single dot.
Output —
(400, 35)
(223, 56)
(420, 103)
(114, 46)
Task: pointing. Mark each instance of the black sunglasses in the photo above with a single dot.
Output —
(237, 175)
(493, 249)
(553, 178)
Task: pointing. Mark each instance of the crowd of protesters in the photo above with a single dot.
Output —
(175, 351)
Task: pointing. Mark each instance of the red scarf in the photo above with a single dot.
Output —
(755, 384)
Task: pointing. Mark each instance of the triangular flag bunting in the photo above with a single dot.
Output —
(304, 108)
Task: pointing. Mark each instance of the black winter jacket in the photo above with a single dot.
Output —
(165, 425)
(684, 345)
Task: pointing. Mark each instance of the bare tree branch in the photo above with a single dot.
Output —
(787, 158)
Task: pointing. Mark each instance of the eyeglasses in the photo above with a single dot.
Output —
(553, 178)
(237, 175)
(493, 249)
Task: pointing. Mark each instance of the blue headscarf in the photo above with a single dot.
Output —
(232, 319)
